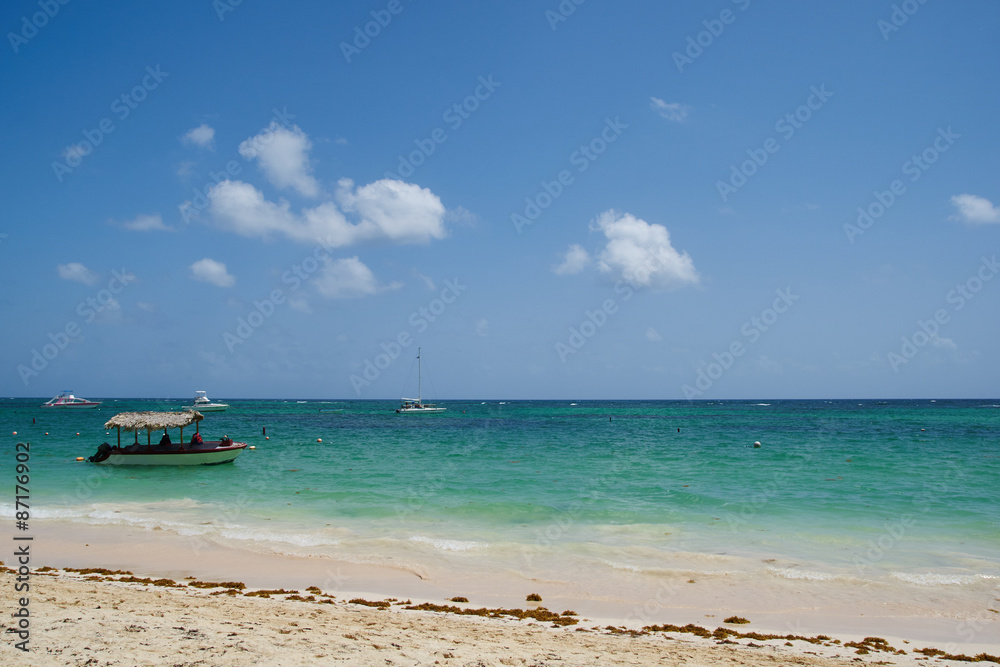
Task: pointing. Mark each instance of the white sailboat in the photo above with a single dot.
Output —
(417, 405)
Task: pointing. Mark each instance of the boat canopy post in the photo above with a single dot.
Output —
(149, 438)
(119, 437)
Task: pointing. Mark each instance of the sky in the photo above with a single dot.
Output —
(552, 200)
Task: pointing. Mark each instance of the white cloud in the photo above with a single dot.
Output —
(213, 272)
(427, 279)
(202, 136)
(653, 336)
(482, 327)
(348, 278)
(299, 302)
(673, 111)
(78, 272)
(146, 223)
(641, 253)
(946, 343)
(462, 216)
(394, 210)
(975, 210)
(283, 156)
(575, 260)
(185, 168)
(386, 210)
(75, 152)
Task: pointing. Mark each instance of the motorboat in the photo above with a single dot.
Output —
(166, 452)
(68, 400)
(416, 405)
(203, 404)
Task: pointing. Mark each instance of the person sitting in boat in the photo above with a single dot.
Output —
(165, 440)
(196, 440)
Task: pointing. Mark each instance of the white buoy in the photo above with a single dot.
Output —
(756, 444)
(319, 439)
(251, 447)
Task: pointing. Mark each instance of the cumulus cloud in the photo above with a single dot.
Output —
(78, 272)
(672, 111)
(385, 210)
(975, 210)
(575, 260)
(348, 278)
(212, 272)
(202, 136)
(145, 223)
(283, 155)
(641, 254)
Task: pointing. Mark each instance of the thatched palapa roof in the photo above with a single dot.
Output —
(150, 421)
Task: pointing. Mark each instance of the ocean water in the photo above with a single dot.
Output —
(861, 491)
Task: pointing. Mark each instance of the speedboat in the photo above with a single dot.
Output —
(416, 405)
(166, 452)
(203, 404)
(68, 400)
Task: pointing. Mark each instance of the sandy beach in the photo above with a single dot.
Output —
(78, 622)
(129, 618)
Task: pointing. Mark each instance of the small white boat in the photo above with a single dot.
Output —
(165, 453)
(68, 400)
(203, 404)
(416, 405)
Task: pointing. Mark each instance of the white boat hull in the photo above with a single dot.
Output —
(151, 456)
(209, 407)
(72, 406)
(410, 411)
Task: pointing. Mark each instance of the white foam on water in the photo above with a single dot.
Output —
(931, 579)
(796, 573)
(270, 537)
(448, 545)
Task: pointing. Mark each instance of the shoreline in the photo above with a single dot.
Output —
(83, 617)
(801, 608)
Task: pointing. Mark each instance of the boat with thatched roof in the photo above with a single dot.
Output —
(166, 452)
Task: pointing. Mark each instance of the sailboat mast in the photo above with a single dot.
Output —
(419, 394)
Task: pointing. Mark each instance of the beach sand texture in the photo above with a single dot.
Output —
(78, 622)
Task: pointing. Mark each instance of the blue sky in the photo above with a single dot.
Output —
(727, 199)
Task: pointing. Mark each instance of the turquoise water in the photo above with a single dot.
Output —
(869, 490)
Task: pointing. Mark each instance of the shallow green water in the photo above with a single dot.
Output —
(860, 489)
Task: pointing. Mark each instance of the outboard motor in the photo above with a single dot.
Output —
(103, 452)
